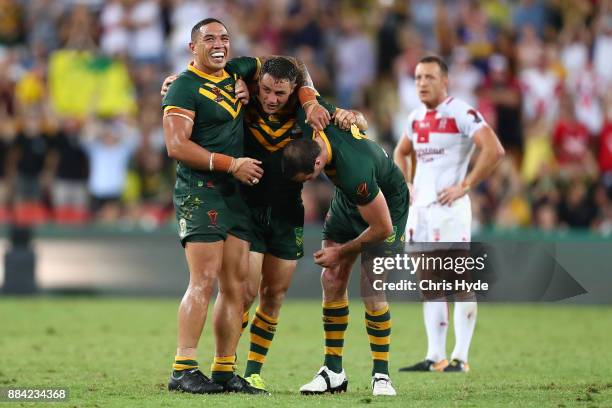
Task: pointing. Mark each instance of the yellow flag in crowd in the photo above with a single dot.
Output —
(82, 83)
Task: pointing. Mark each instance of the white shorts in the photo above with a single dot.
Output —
(437, 223)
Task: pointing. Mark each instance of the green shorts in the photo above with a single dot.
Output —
(278, 231)
(208, 212)
(343, 222)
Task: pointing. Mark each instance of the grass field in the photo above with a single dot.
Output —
(117, 353)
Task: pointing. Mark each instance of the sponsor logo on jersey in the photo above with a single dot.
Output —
(217, 92)
(362, 190)
(229, 88)
(428, 154)
(212, 214)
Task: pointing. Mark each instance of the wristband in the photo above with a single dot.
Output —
(306, 95)
(465, 186)
(220, 162)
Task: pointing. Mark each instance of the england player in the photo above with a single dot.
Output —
(442, 134)
(370, 206)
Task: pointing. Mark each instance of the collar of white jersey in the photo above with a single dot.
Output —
(444, 102)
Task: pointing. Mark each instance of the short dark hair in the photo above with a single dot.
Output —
(299, 156)
(280, 68)
(434, 59)
(202, 23)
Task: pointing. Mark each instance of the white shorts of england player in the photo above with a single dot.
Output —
(438, 223)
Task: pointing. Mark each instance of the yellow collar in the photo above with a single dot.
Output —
(327, 145)
(204, 75)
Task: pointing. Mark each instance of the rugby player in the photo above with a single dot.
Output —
(442, 135)
(204, 131)
(277, 213)
(370, 206)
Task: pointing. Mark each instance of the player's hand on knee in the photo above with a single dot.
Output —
(246, 170)
(241, 90)
(317, 116)
(167, 82)
(328, 257)
(344, 118)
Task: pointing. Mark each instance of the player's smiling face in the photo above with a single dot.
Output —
(211, 48)
(431, 84)
(273, 93)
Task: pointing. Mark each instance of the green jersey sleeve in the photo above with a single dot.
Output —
(331, 108)
(358, 181)
(181, 94)
(301, 115)
(245, 67)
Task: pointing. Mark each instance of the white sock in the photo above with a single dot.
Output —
(436, 324)
(464, 320)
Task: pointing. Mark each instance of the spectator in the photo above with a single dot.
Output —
(505, 93)
(602, 49)
(541, 88)
(30, 160)
(577, 209)
(545, 216)
(6, 136)
(605, 148)
(302, 26)
(69, 168)
(354, 62)
(571, 143)
(530, 12)
(184, 15)
(109, 146)
(463, 77)
(587, 93)
(11, 23)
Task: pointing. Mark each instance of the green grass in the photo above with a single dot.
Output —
(117, 353)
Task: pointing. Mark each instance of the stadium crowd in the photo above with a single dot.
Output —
(80, 118)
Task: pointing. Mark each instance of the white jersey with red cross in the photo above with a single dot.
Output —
(442, 141)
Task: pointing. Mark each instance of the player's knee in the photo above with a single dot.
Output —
(200, 291)
(273, 296)
(332, 281)
(249, 294)
(374, 305)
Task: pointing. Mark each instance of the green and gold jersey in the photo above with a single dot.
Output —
(218, 122)
(265, 137)
(359, 167)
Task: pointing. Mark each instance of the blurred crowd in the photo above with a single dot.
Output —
(80, 120)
